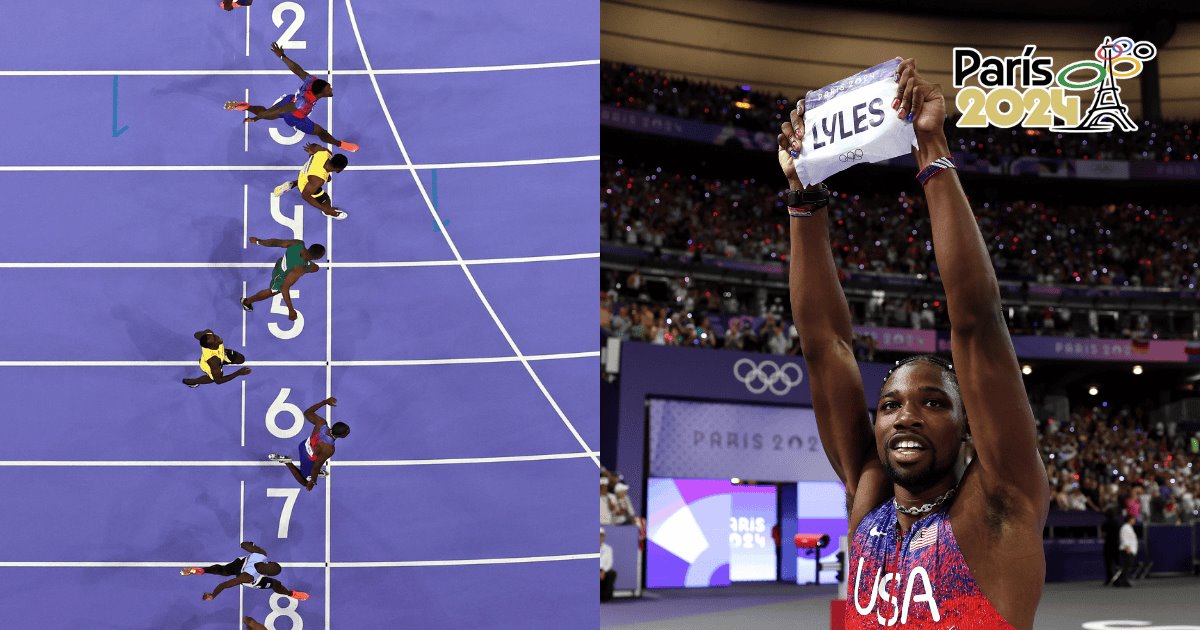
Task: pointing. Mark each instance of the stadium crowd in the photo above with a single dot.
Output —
(1100, 459)
(645, 89)
(1110, 245)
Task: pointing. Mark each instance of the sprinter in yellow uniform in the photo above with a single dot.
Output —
(213, 357)
(318, 170)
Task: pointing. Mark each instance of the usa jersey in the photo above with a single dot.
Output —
(304, 99)
(919, 580)
(322, 436)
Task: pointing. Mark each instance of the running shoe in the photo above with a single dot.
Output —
(341, 215)
(299, 595)
(324, 471)
(284, 187)
(246, 307)
(191, 571)
(276, 457)
(349, 146)
(238, 105)
(192, 385)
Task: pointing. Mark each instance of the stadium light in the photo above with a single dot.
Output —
(1027, 369)
(1137, 369)
(1093, 390)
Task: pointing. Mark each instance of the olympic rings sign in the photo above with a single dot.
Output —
(851, 156)
(768, 375)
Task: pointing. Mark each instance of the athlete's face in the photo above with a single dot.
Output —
(327, 92)
(919, 425)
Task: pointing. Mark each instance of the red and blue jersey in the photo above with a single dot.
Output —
(304, 99)
(313, 440)
(916, 580)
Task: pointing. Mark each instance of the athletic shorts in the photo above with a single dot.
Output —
(306, 464)
(303, 124)
(277, 277)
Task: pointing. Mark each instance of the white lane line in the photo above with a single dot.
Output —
(245, 214)
(450, 242)
(243, 414)
(283, 167)
(306, 565)
(464, 460)
(265, 265)
(381, 363)
(245, 127)
(263, 463)
(328, 320)
(390, 71)
(243, 318)
(247, 54)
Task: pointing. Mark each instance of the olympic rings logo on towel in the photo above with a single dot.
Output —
(760, 377)
(851, 156)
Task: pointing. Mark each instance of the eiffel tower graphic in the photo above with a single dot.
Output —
(1106, 107)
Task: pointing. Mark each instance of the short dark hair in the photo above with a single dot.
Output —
(316, 250)
(339, 161)
(932, 359)
(340, 429)
(319, 85)
(272, 568)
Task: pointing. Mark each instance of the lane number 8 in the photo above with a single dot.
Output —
(288, 610)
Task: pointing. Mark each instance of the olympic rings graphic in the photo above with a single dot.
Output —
(1121, 50)
(851, 156)
(758, 378)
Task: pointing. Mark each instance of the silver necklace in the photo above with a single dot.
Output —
(924, 509)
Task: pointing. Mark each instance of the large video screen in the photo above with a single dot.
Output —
(708, 532)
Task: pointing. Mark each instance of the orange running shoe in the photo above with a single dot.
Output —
(191, 571)
(299, 595)
(238, 105)
(349, 146)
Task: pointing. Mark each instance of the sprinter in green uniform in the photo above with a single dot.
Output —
(296, 262)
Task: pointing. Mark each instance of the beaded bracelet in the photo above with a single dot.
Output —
(935, 167)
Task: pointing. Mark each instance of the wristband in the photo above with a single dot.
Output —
(935, 167)
(802, 203)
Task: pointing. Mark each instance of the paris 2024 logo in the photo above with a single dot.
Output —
(1025, 90)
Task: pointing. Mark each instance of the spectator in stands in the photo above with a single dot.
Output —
(608, 577)
(624, 512)
(607, 503)
(1129, 549)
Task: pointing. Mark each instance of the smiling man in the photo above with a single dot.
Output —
(937, 541)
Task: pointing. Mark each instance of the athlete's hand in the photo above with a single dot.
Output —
(331, 401)
(311, 483)
(313, 148)
(253, 240)
(244, 371)
(277, 49)
(251, 119)
(292, 315)
(789, 141)
(208, 597)
(919, 98)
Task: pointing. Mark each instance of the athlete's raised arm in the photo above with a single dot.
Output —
(822, 319)
(292, 65)
(998, 412)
